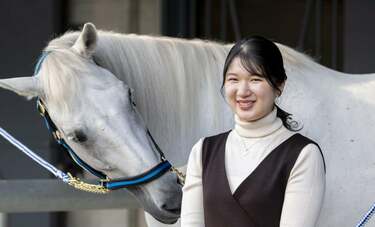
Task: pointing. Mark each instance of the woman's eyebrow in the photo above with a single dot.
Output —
(237, 74)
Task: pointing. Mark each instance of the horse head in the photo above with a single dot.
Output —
(96, 115)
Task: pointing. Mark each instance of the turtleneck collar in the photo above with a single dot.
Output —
(260, 128)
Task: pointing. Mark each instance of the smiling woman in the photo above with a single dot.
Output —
(258, 61)
(244, 90)
(262, 173)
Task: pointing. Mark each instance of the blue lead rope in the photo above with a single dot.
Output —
(367, 217)
(59, 174)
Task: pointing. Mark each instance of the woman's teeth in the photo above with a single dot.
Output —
(245, 104)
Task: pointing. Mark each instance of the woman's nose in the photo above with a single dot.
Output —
(244, 89)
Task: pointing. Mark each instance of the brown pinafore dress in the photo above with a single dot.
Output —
(258, 200)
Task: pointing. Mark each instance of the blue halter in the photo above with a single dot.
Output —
(111, 184)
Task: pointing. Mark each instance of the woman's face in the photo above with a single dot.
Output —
(251, 97)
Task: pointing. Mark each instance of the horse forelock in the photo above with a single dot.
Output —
(59, 76)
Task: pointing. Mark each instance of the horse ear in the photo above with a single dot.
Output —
(86, 42)
(24, 86)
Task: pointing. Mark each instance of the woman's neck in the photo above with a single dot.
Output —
(259, 128)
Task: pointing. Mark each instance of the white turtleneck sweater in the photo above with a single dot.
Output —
(247, 145)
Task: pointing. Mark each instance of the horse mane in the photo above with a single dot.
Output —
(171, 77)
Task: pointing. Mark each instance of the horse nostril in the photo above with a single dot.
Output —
(175, 210)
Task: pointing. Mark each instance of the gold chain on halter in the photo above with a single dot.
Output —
(80, 185)
(180, 175)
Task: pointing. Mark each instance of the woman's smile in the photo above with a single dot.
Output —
(245, 104)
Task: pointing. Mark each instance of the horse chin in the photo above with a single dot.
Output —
(163, 216)
(168, 222)
(168, 213)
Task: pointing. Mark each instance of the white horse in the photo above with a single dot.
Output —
(87, 78)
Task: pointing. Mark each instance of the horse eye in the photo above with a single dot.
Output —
(79, 136)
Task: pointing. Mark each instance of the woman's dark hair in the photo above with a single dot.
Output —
(260, 56)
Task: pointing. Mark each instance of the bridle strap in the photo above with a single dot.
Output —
(161, 154)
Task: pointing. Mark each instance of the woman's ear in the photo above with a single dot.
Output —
(281, 88)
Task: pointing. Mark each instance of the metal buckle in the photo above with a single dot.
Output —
(57, 135)
(41, 108)
(102, 181)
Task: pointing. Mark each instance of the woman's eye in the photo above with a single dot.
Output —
(232, 79)
(256, 79)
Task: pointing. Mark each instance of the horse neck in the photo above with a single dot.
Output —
(177, 86)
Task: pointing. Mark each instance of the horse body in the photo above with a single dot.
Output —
(335, 109)
(177, 92)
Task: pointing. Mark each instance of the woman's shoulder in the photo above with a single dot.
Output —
(194, 165)
(197, 148)
(195, 155)
(216, 136)
(310, 152)
(303, 140)
(306, 148)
